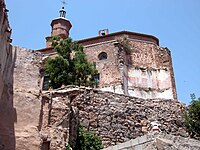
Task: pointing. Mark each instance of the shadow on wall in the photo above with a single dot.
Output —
(8, 115)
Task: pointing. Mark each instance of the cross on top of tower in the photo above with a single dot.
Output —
(62, 11)
(64, 2)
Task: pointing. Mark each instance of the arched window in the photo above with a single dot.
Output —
(102, 56)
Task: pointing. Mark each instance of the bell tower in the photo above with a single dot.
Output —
(60, 27)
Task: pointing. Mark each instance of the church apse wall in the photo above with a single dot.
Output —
(134, 65)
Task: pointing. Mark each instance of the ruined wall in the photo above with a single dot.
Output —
(116, 118)
(49, 120)
(26, 98)
(5, 48)
(7, 59)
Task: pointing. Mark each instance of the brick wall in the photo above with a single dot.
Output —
(108, 68)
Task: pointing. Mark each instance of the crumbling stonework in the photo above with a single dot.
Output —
(116, 118)
(7, 60)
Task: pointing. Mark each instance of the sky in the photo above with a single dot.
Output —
(176, 23)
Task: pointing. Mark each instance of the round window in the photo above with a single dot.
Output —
(102, 56)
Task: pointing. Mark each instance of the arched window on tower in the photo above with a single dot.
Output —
(102, 56)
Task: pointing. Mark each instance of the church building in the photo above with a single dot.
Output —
(127, 62)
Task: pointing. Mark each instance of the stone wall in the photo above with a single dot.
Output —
(5, 48)
(116, 118)
(7, 60)
(26, 98)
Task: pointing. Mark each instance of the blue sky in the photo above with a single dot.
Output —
(175, 22)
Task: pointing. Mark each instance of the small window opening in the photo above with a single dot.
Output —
(103, 32)
(46, 82)
(45, 145)
(97, 77)
(102, 56)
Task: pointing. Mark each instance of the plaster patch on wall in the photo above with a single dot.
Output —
(149, 83)
(166, 94)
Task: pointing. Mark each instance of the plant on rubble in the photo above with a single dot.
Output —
(192, 117)
(124, 42)
(68, 147)
(70, 67)
(88, 140)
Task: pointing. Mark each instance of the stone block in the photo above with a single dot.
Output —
(124, 145)
(138, 147)
(115, 147)
(134, 142)
(142, 139)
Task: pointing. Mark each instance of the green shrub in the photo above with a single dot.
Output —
(88, 140)
(192, 118)
(68, 147)
(70, 67)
